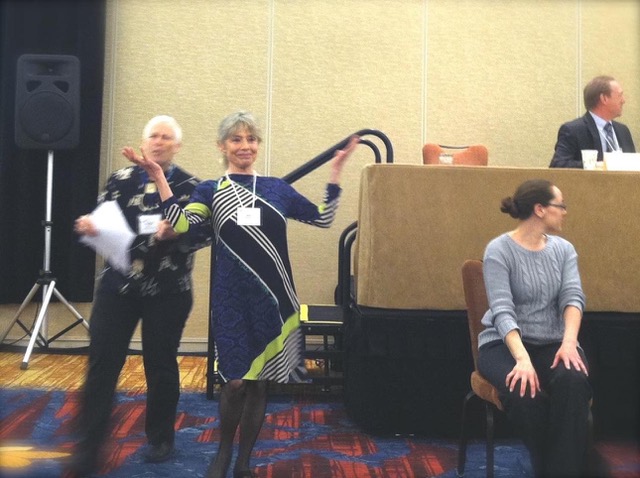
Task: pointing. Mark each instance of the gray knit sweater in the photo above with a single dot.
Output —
(529, 290)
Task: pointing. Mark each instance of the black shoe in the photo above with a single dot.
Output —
(243, 474)
(76, 470)
(159, 453)
(79, 465)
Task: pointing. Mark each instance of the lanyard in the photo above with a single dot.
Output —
(253, 204)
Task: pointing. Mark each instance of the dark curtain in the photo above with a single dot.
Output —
(49, 27)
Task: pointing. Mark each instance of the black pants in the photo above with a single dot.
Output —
(113, 320)
(554, 424)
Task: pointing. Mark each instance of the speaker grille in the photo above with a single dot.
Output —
(46, 117)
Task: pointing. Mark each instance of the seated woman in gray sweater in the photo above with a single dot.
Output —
(529, 350)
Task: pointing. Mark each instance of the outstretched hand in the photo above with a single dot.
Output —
(153, 169)
(340, 158)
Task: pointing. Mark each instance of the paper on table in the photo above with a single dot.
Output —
(619, 161)
(114, 236)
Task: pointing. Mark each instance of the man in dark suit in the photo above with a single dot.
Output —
(603, 98)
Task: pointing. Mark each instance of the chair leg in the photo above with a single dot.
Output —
(490, 431)
(590, 439)
(462, 444)
(593, 466)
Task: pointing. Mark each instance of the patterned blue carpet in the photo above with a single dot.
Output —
(305, 440)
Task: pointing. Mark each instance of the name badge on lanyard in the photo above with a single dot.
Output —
(148, 223)
(249, 216)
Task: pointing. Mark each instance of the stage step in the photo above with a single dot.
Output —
(322, 328)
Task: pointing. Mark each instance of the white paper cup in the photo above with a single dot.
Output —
(589, 158)
(446, 158)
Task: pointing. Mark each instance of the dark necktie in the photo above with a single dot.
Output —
(608, 132)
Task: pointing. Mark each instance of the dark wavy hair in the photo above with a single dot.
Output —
(527, 195)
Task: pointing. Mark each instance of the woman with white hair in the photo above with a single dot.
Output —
(157, 291)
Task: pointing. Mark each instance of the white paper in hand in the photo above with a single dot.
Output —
(114, 236)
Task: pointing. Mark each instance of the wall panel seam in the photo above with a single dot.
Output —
(270, 56)
(425, 51)
(579, 59)
(109, 91)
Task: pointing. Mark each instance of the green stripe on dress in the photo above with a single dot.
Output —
(274, 348)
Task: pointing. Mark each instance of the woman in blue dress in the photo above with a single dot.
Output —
(255, 310)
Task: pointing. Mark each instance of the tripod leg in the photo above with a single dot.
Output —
(71, 308)
(38, 324)
(27, 299)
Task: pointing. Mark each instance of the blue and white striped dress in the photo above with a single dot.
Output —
(255, 310)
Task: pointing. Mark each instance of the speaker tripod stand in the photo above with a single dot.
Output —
(47, 281)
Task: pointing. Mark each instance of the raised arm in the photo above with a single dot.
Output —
(153, 169)
(340, 159)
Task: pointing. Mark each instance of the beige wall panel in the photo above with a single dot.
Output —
(339, 67)
(611, 46)
(195, 61)
(495, 73)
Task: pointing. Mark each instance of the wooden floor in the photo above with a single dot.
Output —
(67, 372)
(59, 371)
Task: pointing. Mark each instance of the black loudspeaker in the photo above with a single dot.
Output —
(47, 112)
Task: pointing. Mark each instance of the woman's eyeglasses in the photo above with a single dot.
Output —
(561, 206)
